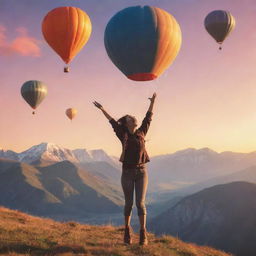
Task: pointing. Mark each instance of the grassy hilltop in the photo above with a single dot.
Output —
(22, 234)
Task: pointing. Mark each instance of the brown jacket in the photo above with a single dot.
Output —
(134, 151)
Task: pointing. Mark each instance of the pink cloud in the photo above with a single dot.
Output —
(23, 44)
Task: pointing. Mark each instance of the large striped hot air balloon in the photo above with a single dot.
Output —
(66, 29)
(142, 41)
(33, 92)
(219, 24)
(71, 113)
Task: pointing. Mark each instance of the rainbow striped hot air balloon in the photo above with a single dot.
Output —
(66, 29)
(142, 41)
(33, 92)
(219, 24)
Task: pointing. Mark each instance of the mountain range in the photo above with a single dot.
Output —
(167, 173)
(171, 176)
(190, 166)
(185, 195)
(223, 216)
(49, 153)
(56, 190)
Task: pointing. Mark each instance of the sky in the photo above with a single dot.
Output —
(206, 98)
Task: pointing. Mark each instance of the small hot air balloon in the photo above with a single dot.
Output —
(219, 24)
(142, 41)
(66, 30)
(71, 113)
(33, 92)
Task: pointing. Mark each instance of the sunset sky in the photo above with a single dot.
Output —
(207, 98)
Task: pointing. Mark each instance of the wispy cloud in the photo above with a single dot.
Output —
(23, 44)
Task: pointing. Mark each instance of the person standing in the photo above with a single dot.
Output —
(134, 158)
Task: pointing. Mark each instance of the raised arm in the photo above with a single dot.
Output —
(99, 106)
(152, 101)
(117, 128)
(148, 118)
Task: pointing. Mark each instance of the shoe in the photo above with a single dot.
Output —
(143, 237)
(127, 235)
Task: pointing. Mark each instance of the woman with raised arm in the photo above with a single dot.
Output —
(134, 173)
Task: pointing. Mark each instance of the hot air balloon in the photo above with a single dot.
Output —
(33, 92)
(71, 113)
(142, 41)
(219, 24)
(66, 30)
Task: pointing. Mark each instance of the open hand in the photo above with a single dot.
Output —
(98, 105)
(152, 99)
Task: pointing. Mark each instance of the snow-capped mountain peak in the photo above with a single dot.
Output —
(47, 151)
(54, 153)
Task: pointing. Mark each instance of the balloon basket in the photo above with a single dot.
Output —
(66, 69)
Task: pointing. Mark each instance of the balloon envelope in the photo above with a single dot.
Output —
(66, 30)
(219, 24)
(71, 113)
(142, 41)
(33, 92)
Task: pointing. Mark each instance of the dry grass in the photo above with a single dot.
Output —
(22, 234)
